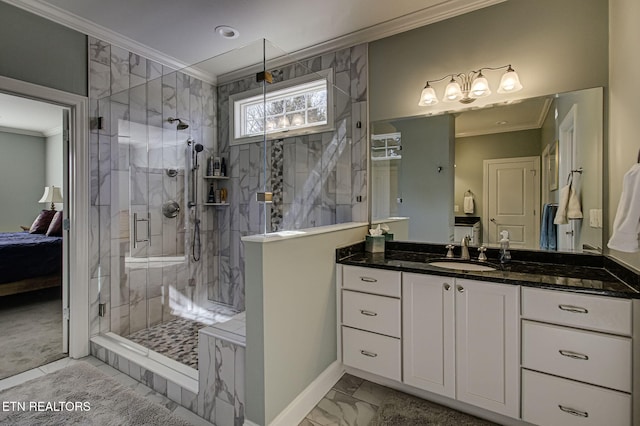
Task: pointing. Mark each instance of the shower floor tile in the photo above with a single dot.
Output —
(176, 339)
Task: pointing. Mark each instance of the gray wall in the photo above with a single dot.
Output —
(555, 46)
(39, 51)
(427, 194)
(54, 170)
(22, 177)
(471, 151)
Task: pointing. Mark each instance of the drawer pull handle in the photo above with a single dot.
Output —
(574, 309)
(369, 354)
(574, 355)
(574, 412)
(368, 280)
(368, 313)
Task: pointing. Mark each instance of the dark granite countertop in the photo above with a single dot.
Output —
(567, 272)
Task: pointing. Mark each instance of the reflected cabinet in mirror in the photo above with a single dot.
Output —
(531, 167)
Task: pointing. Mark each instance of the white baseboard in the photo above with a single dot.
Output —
(249, 423)
(295, 412)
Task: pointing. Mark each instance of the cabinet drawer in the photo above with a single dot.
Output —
(591, 357)
(370, 280)
(369, 312)
(606, 314)
(548, 400)
(371, 352)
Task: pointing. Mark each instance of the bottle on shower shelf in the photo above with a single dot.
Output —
(211, 197)
(223, 167)
(216, 166)
(210, 167)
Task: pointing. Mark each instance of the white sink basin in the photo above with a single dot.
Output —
(461, 266)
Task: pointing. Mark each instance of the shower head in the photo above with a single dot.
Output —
(198, 147)
(181, 124)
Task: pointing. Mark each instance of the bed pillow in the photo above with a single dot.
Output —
(42, 222)
(55, 227)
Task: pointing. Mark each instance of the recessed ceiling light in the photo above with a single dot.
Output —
(225, 31)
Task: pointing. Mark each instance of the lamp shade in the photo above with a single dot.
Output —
(510, 82)
(479, 87)
(428, 96)
(51, 195)
(452, 92)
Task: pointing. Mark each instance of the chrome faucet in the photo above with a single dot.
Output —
(465, 248)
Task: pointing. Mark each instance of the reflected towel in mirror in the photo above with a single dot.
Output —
(626, 225)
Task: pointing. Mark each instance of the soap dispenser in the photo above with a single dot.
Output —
(505, 256)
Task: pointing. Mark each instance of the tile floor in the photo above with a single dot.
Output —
(125, 380)
(351, 402)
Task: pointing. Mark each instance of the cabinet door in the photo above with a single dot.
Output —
(428, 335)
(488, 346)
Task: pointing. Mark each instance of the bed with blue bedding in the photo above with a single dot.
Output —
(29, 262)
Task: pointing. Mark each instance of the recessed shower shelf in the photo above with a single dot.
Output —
(216, 204)
(216, 177)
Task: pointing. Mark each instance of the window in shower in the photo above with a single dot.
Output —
(292, 107)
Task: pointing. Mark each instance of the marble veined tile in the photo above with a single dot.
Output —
(372, 393)
(348, 384)
(341, 409)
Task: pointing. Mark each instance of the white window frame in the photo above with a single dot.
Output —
(279, 89)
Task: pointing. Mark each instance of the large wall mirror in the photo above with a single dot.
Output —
(478, 172)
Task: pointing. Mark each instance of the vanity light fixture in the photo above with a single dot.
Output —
(466, 88)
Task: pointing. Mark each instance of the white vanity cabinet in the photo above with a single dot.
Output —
(576, 359)
(371, 320)
(461, 340)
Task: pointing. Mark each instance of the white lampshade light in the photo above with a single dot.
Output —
(452, 92)
(510, 82)
(428, 96)
(51, 195)
(479, 87)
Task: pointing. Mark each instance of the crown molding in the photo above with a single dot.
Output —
(445, 10)
(52, 132)
(25, 132)
(429, 15)
(84, 26)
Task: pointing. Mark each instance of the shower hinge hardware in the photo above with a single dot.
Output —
(264, 76)
(359, 198)
(358, 124)
(65, 313)
(264, 197)
(102, 309)
(100, 123)
(66, 224)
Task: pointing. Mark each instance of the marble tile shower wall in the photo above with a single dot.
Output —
(130, 155)
(317, 179)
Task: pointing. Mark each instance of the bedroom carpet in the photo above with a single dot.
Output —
(80, 394)
(31, 325)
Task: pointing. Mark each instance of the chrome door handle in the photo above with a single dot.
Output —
(493, 219)
(573, 412)
(574, 309)
(574, 355)
(369, 354)
(368, 280)
(368, 313)
(447, 287)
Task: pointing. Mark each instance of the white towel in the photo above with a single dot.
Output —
(563, 204)
(626, 225)
(574, 210)
(468, 204)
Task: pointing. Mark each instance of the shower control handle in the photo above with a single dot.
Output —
(135, 229)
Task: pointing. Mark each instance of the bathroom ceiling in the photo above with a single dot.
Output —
(183, 31)
(21, 115)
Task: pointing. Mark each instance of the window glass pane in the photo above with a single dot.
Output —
(317, 98)
(254, 111)
(275, 107)
(317, 115)
(295, 103)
